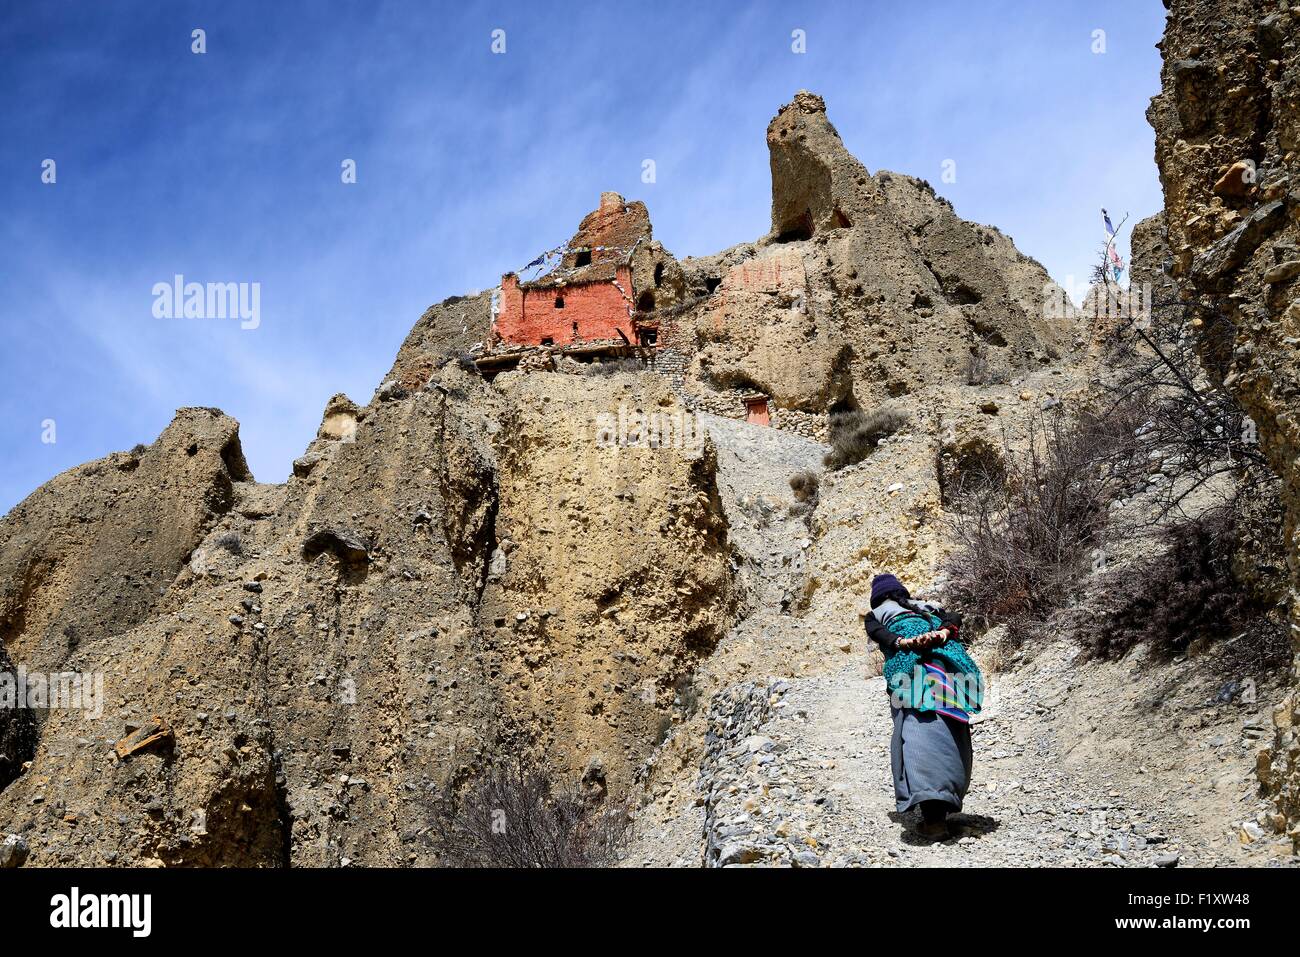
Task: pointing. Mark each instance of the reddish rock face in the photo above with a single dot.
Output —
(609, 234)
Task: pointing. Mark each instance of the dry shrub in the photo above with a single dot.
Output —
(1183, 593)
(609, 367)
(977, 366)
(807, 491)
(1160, 361)
(805, 486)
(970, 467)
(1024, 532)
(18, 731)
(232, 543)
(1029, 540)
(516, 815)
(854, 434)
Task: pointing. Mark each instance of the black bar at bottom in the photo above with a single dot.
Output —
(335, 907)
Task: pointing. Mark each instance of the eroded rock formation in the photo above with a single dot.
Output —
(864, 285)
(1227, 124)
(463, 568)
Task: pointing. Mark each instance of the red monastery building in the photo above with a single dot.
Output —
(590, 297)
(613, 294)
(547, 314)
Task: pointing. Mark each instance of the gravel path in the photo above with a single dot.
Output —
(1024, 809)
(808, 783)
(1076, 764)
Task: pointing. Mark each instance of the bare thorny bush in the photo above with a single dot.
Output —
(1023, 533)
(518, 815)
(1183, 592)
(1192, 420)
(1160, 426)
(806, 487)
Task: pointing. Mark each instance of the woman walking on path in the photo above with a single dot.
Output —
(934, 689)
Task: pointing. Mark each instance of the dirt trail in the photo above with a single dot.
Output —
(1077, 763)
(1029, 805)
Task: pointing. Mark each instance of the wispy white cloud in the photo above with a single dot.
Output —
(225, 167)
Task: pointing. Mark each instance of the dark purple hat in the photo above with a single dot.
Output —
(882, 585)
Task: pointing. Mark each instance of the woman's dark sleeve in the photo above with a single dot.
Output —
(951, 619)
(881, 635)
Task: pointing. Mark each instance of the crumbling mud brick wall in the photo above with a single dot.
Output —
(573, 312)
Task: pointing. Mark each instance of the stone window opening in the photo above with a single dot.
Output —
(646, 303)
(548, 341)
(659, 275)
(559, 302)
(582, 258)
(649, 337)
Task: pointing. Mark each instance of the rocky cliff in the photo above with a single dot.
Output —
(449, 574)
(863, 284)
(561, 561)
(1227, 123)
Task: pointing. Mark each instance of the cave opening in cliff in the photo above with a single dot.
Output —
(798, 231)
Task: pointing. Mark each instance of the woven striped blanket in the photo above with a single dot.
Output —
(944, 679)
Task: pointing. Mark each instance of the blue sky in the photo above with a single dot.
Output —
(225, 167)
